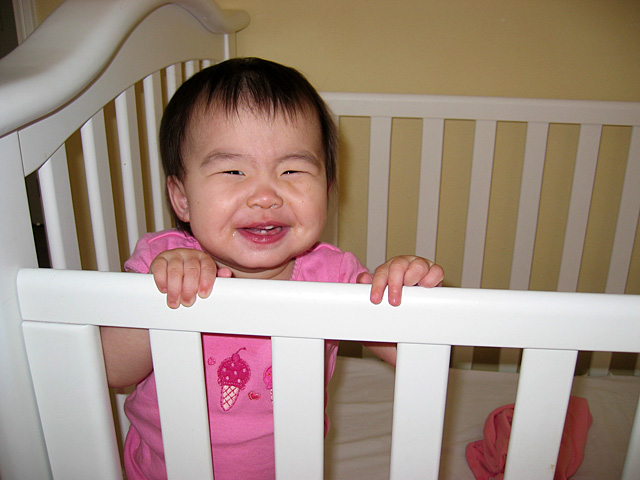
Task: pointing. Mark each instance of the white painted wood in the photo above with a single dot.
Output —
(418, 410)
(579, 204)
(483, 108)
(298, 407)
(528, 205)
(191, 67)
(181, 40)
(173, 76)
(66, 64)
(378, 195)
(544, 387)
(68, 373)
(22, 449)
(628, 214)
(128, 140)
(478, 211)
(57, 206)
(182, 400)
(477, 216)
(443, 316)
(152, 88)
(429, 193)
(103, 221)
(24, 13)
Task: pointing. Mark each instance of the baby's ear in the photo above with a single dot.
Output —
(178, 197)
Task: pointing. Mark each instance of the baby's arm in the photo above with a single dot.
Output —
(127, 355)
(399, 271)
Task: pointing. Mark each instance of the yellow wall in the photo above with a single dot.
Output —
(584, 49)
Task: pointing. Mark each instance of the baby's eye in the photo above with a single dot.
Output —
(291, 172)
(233, 172)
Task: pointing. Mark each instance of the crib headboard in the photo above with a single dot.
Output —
(64, 77)
(82, 127)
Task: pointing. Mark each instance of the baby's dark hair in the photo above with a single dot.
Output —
(263, 86)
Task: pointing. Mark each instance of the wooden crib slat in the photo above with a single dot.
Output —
(174, 79)
(191, 67)
(544, 387)
(152, 87)
(418, 410)
(526, 223)
(178, 367)
(57, 207)
(478, 211)
(529, 204)
(429, 199)
(68, 359)
(127, 123)
(477, 215)
(103, 222)
(379, 152)
(298, 414)
(624, 237)
(579, 204)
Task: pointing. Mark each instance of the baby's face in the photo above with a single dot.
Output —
(255, 190)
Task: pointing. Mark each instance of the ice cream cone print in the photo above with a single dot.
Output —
(233, 375)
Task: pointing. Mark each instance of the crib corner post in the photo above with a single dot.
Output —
(22, 450)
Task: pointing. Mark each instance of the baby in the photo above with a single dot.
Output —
(249, 150)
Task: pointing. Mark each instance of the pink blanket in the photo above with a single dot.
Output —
(487, 457)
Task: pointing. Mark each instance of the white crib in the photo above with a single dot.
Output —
(56, 417)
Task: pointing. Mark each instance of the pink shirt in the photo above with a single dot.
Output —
(238, 378)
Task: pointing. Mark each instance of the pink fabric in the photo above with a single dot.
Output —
(237, 375)
(487, 457)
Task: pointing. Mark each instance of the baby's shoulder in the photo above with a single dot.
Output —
(327, 263)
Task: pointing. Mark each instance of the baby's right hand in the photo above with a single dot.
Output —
(184, 273)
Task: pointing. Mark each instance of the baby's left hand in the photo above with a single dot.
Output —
(403, 270)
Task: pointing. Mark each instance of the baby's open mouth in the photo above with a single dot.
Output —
(265, 230)
(264, 234)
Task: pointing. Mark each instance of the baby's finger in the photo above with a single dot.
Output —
(175, 275)
(417, 270)
(208, 272)
(364, 278)
(434, 277)
(191, 281)
(159, 270)
(396, 279)
(379, 283)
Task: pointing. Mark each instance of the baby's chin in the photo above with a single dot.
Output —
(280, 271)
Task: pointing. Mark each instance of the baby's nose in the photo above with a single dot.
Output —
(264, 196)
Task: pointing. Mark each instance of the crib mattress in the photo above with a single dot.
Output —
(360, 408)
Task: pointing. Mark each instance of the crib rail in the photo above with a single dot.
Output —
(539, 117)
(550, 326)
(52, 67)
